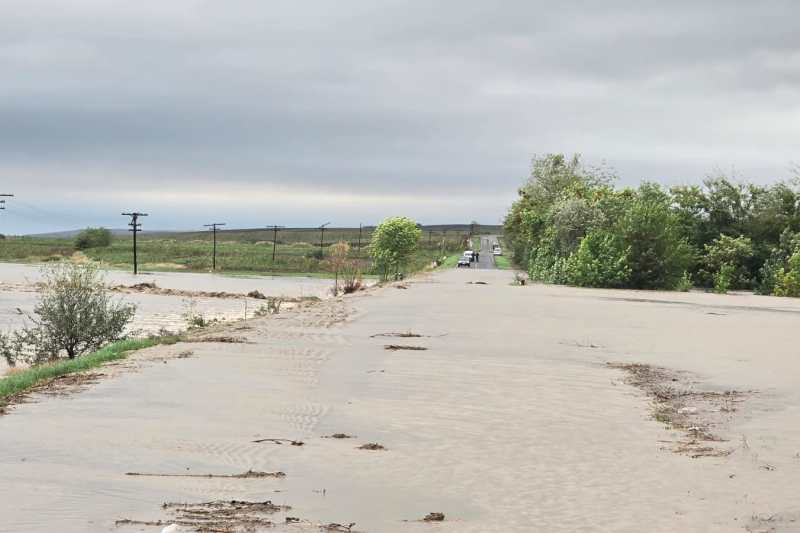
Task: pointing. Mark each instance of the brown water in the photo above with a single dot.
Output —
(17, 293)
(511, 421)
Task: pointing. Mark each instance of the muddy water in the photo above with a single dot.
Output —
(17, 293)
(511, 420)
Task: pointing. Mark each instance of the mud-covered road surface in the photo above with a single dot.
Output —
(532, 408)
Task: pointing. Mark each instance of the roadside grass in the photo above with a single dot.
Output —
(450, 262)
(21, 381)
(240, 257)
(502, 262)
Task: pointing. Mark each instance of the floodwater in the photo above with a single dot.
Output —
(510, 421)
(18, 295)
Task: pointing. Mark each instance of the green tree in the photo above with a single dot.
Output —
(74, 315)
(735, 254)
(93, 238)
(658, 254)
(393, 242)
(787, 281)
(600, 261)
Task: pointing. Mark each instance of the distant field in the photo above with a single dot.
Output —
(247, 251)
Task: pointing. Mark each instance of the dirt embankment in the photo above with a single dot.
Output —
(151, 288)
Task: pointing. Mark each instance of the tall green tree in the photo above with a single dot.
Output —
(393, 242)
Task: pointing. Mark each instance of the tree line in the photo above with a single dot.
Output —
(571, 225)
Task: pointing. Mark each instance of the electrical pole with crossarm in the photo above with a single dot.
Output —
(214, 227)
(3, 201)
(274, 229)
(136, 227)
(322, 238)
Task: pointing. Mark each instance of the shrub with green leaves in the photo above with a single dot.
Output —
(735, 252)
(787, 281)
(723, 278)
(393, 242)
(685, 284)
(600, 261)
(721, 234)
(75, 314)
(93, 238)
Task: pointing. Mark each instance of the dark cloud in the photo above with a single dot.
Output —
(365, 108)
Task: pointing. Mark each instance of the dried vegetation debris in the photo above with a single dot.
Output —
(395, 347)
(402, 334)
(216, 516)
(225, 339)
(281, 441)
(250, 474)
(372, 446)
(150, 287)
(678, 404)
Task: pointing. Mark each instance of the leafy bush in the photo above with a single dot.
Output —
(768, 275)
(600, 261)
(787, 282)
(685, 284)
(393, 242)
(658, 254)
(93, 238)
(317, 254)
(720, 234)
(734, 252)
(723, 278)
(74, 315)
(547, 265)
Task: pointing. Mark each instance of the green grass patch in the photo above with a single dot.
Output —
(450, 262)
(24, 380)
(247, 255)
(502, 262)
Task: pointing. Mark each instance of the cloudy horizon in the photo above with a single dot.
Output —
(258, 113)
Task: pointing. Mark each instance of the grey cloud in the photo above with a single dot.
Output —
(425, 99)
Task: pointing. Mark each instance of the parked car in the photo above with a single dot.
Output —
(497, 251)
(464, 261)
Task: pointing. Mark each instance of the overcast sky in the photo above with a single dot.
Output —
(259, 112)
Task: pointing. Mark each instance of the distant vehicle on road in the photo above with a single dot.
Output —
(497, 251)
(464, 261)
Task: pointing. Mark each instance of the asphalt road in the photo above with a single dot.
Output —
(486, 261)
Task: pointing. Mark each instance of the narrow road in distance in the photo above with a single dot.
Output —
(486, 260)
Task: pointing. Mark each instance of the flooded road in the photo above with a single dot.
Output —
(509, 421)
(18, 295)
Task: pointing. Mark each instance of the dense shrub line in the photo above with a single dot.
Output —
(570, 225)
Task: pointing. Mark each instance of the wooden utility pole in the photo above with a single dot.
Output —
(3, 202)
(322, 238)
(360, 229)
(274, 239)
(214, 227)
(136, 227)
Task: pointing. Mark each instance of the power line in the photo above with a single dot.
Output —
(274, 229)
(136, 227)
(214, 253)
